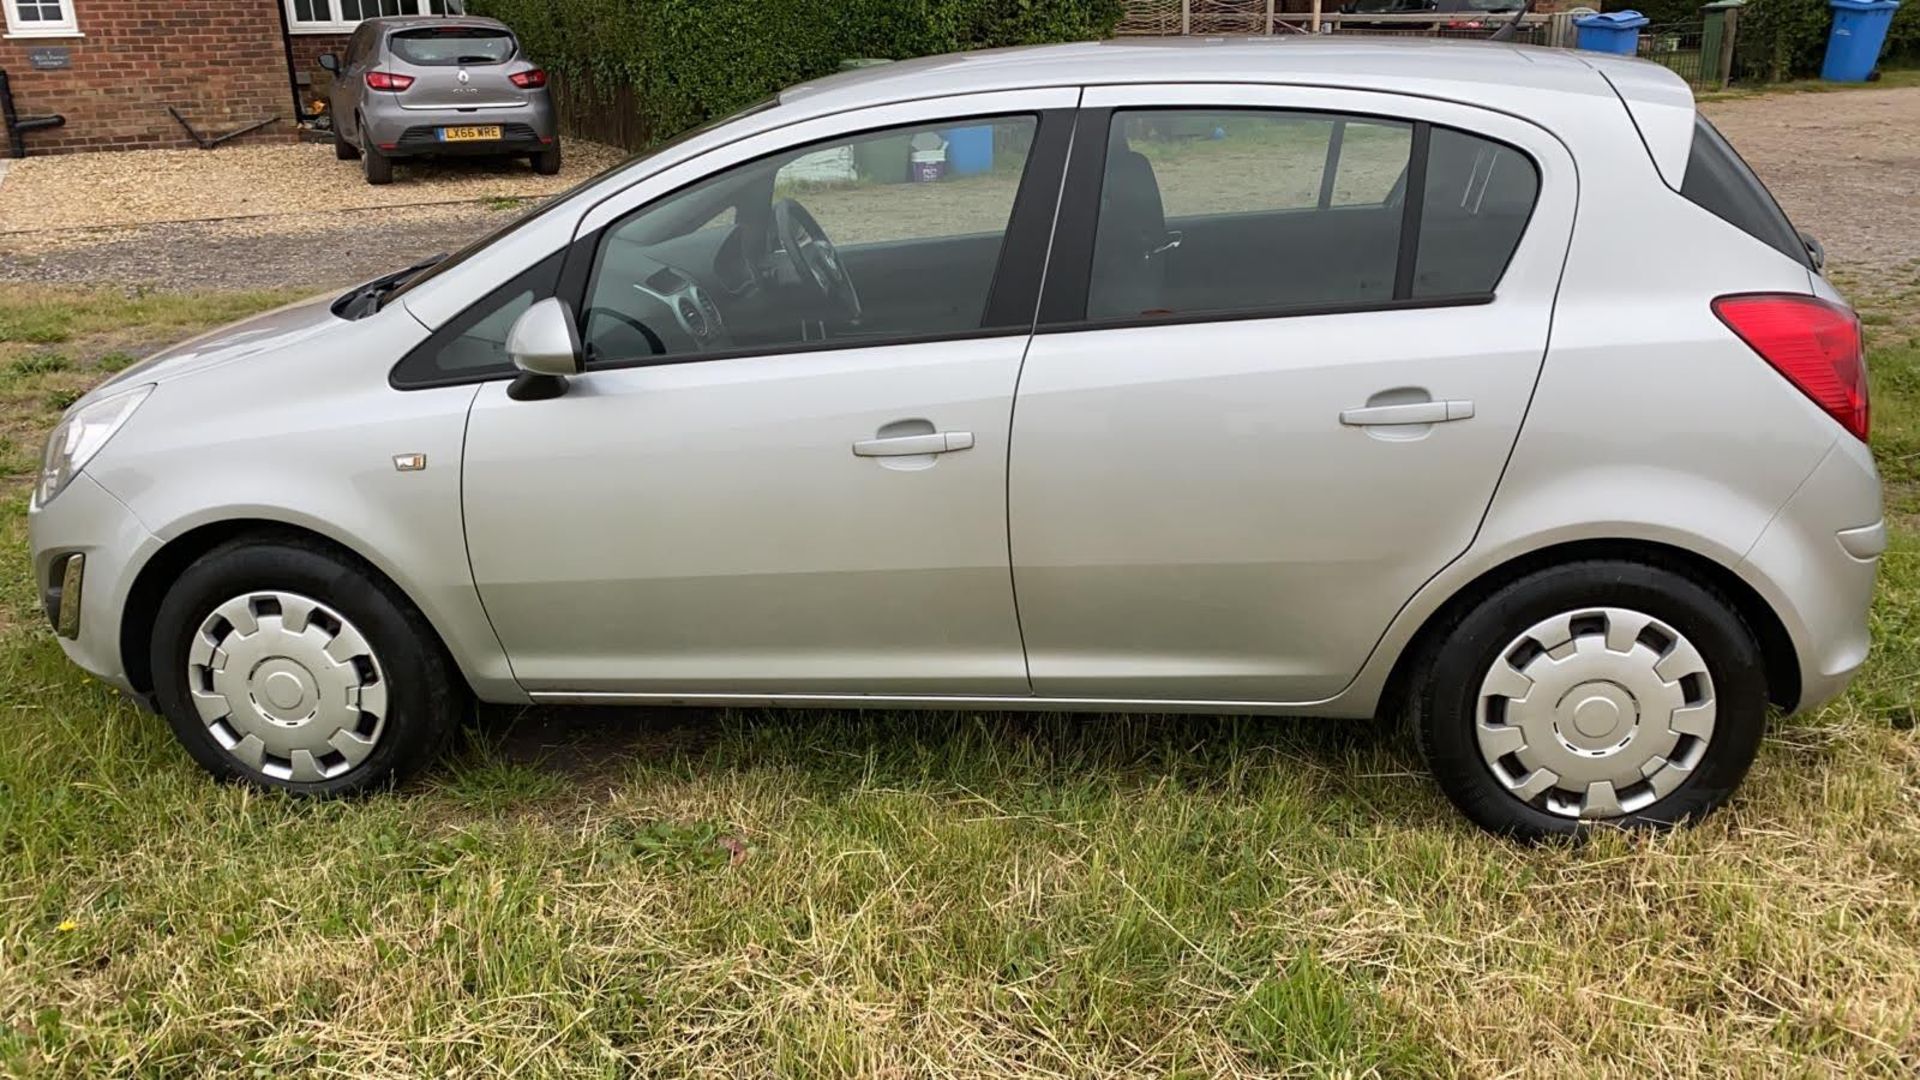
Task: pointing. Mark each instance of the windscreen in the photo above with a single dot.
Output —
(447, 46)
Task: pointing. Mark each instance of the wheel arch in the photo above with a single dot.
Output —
(150, 585)
(1778, 654)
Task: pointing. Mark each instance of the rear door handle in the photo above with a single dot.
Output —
(938, 442)
(1414, 412)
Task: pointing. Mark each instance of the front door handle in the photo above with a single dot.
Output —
(1413, 412)
(938, 442)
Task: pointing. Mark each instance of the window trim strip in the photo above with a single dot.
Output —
(1356, 307)
(1410, 211)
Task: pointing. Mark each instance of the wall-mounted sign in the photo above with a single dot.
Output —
(50, 58)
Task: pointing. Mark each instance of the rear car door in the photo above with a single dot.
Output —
(748, 492)
(1287, 341)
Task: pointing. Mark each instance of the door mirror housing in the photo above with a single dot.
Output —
(330, 62)
(544, 344)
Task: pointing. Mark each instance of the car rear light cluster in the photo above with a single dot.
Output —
(531, 79)
(1813, 342)
(387, 80)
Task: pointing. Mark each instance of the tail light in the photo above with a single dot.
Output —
(387, 80)
(1814, 343)
(531, 79)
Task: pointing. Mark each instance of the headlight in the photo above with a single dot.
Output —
(80, 435)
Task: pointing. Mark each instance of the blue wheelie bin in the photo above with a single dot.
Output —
(1614, 32)
(1859, 29)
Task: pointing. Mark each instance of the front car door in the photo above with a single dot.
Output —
(1287, 342)
(784, 469)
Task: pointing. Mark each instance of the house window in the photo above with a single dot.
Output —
(341, 16)
(40, 18)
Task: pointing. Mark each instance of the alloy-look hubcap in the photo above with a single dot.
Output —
(287, 686)
(1595, 713)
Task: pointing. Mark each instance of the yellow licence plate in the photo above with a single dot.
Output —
(468, 134)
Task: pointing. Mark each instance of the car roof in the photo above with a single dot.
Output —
(1557, 89)
(1480, 72)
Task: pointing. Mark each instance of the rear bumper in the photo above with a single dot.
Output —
(413, 132)
(1819, 557)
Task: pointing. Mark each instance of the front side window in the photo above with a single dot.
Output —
(1255, 210)
(884, 236)
(40, 18)
(475, 343)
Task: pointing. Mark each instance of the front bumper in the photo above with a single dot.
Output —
(1819, 557)
(86, 520)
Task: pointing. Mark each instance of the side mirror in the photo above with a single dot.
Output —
(1815, 250)
(330, 62)
(545, 346)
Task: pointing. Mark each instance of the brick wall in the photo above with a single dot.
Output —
(306, 62)
(223, 65)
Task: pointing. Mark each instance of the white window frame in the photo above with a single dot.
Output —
(17, 27)
(297, 25)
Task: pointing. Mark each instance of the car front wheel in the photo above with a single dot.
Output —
(1594, 692)
(342, 149)
(284, 664)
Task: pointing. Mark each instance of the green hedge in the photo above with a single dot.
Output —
(688, 61)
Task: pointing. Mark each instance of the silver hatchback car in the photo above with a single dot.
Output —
(413, 87)
(1473, 382)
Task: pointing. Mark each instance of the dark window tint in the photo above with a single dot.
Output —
(475, 343)
(1479, 196)
(1719, 181)
(1241, 210)
(447, 46)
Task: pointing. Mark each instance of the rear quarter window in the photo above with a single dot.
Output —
(1719, 182)
(465, 46)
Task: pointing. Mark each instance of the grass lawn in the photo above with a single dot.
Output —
(609, 893)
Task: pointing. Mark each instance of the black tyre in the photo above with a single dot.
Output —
(1598, 692)
(284, 664)
(547, 162)
(379, 167)
(342, 149)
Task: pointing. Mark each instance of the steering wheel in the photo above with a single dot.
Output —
(814, 257)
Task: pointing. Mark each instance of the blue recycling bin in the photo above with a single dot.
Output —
(970, 150)
(1859, 29)
(1614, 32)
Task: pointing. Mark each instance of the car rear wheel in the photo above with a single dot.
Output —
(342, 149)
(379, 166)
(285, 665)
(1599, 692)
(547, 162)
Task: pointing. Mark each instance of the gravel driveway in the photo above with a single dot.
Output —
(1845, 165)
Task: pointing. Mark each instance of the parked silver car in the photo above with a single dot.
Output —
(411, 87)
(1477, 382)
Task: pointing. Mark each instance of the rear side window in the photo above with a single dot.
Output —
(465, 46)
(1720, 182)
(1479, 196)
(1258, 210)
